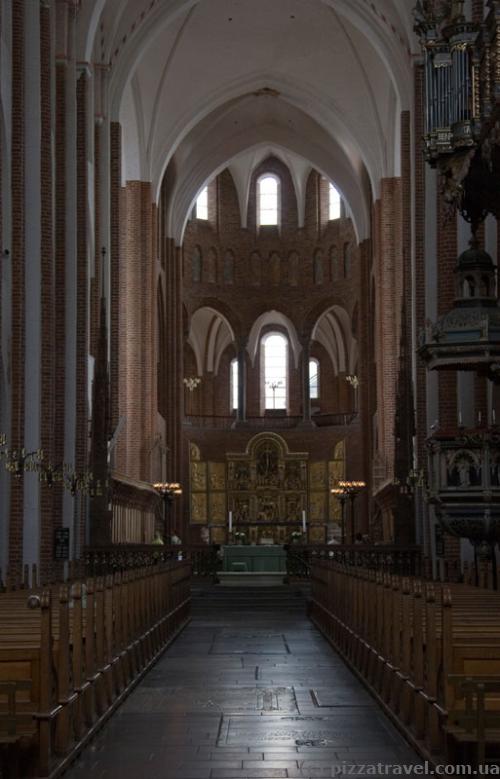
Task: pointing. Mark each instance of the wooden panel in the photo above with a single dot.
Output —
(317, 507)
(199, 508)
(198, 477)
(217, 476)
(317, 473)
(217, 506)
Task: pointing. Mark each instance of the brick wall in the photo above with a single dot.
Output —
(264, 280)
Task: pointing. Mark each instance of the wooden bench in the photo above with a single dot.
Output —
(407, 639)
(477, 722)
(90, 642)
(10, 736)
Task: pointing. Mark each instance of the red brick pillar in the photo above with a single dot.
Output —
(116, 200)
(137, 385)
(17, 260)
(389, 280)
(174, 376)
(48, 384)
(306, 387)
(242, 379)
(82, 324)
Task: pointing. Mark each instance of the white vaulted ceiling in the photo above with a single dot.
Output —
(202, 84)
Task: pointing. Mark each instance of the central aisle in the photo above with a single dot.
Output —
(250, 689)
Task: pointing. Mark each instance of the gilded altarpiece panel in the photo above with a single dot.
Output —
(336, 472)
(318, 496)
(198, 487)
(217, 494)
(267, 488)
(199, 508)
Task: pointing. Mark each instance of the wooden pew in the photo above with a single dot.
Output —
(477, 721)
(410, 640)
(79, 650)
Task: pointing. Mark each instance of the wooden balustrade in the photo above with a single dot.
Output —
(76, 653)
(414, 644)
(394, 559)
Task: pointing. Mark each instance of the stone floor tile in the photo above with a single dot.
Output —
(244, 693)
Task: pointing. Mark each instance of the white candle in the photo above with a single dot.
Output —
(479, 418)
(303, 521)
(460, 418)
(230, 521)
(494, 416)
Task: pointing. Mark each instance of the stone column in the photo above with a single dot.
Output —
(306, 387)
(6, 271)
(33, 278)
(242, 380)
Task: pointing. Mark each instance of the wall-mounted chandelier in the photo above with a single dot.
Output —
(192, 382)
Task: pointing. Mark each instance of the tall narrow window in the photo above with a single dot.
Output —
(234, 384)
(202, 204)
(314, 379)
(267, 200)
(275, 371)
(334, 203)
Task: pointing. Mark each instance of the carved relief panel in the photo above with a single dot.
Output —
(267, 484)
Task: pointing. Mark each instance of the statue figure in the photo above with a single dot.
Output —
(267, 466)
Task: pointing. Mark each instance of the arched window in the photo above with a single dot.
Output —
(202, 204)
(334, 203)
(313, 379)
(233, 380)
(275, 353)
(267, 200)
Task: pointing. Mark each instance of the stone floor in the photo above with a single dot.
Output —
(250, 689)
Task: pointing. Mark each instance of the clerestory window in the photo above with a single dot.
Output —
(202, 204)
(267, 200)
(275, 349)
(334, 203)
(234, 384)
(313, 379)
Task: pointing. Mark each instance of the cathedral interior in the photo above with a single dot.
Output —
(249, 386)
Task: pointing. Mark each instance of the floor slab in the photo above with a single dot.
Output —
(245, 692)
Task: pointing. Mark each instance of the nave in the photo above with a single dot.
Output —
(249, 689)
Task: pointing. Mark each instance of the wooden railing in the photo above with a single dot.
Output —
(421, 649)
(73, 652)
(270, 421)
(407, 561)
(121, 557)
